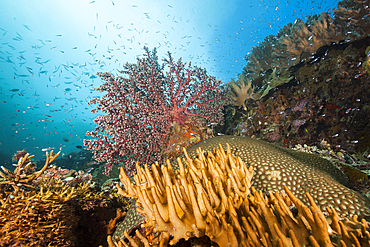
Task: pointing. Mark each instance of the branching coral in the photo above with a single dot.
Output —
(37, 211)
(212, 197)
(19, 178)
(62, 192)
(27, 220)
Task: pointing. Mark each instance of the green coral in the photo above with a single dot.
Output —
(275, 81)
(367, 61)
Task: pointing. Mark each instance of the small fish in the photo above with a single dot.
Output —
(47, 149)
(43, 72)
(14, 90)
(9, 61)
(79, 146)
(21, 75)
(28, 27)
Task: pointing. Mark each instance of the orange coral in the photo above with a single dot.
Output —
(191, 132)
(27, 219)
(41, 213)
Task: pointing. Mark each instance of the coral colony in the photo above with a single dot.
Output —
(308, 85)
(141, 106)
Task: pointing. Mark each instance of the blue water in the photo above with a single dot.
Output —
(50, 52)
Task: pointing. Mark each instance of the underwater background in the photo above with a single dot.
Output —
(50, 52)
(94, 91)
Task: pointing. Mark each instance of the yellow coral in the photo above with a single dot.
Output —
(212, 198)
(191, 202)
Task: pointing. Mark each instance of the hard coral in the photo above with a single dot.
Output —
(37, 211)
(32, 219)
(276, 166)
(20, 178)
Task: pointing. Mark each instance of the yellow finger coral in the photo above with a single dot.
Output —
(191, 202)
(213, 197)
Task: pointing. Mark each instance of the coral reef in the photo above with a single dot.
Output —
(169, 201)
(354, 16)
(65, 175)
(180, 136)
(327, 99)
(141, 106)
(276, 166)
(46, 210)
(297, 42)
(27, 220)
(273, 82)
(367, 61)
(294, 43)
(212, 197)
(19, 154)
